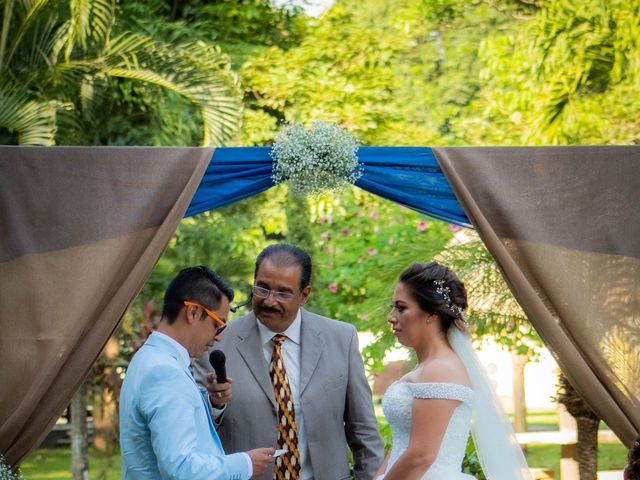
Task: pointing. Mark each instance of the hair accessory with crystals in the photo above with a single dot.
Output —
(444, 291)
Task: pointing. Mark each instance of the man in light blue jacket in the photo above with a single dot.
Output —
(166, 430)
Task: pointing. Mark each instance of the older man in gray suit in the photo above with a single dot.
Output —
(298, 379)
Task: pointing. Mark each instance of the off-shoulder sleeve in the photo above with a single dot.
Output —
(446, 391)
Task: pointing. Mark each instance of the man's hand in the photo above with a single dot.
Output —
(219, 393)
(261, 458)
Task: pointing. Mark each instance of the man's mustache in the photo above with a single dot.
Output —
(269, 310)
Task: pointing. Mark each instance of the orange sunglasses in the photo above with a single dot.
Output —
(209, 313)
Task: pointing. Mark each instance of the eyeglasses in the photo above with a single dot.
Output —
(265, 292)
(210, 314)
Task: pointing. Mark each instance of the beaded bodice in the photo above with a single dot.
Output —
(397, 404)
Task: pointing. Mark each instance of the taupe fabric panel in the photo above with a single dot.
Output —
(80, 182)
(563, 223)
(81, 230)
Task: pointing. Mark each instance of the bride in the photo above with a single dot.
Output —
(432, 409)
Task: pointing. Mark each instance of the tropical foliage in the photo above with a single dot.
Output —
(444, 72)
(393, 72)
(66, 69)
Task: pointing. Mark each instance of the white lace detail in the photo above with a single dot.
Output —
(396, 405)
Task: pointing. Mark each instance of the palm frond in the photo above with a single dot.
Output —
(80, 24)
(26, 16)
(4, 33)
(91, 22)
(492, 308)
(578, 57)
(67, 52)
(196, 71)
(34, 121)
(103, 17)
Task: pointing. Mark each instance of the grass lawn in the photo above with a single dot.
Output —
(611, 456)
(541, 420)
(55, 464)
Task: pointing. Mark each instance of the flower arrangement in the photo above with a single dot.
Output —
(317, 160)
(6, 473)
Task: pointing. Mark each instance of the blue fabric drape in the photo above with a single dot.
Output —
(234, 173)
(409, 176)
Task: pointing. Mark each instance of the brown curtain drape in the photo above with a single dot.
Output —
(563, 223)
(80, 230)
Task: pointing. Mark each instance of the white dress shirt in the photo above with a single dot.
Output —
(186, 360)
(291, 353)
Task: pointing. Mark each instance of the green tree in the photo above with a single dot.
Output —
(299, 232)
(362, 244)
(240, 27)
(564, 73)
(243, 29)
(585, 51)
(394, 73)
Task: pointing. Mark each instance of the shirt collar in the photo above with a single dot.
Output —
(184, 354)
(292, 333)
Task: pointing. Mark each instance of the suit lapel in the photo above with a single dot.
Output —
(250, 350)
(312, 343)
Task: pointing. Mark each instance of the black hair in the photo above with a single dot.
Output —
(199, 284)
(423, 280)
(285, 255)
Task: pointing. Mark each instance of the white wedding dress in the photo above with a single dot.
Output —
(396, 405)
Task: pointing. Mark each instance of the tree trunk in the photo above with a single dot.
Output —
(568, 463)
(298, 222)
(105, 420)
(587, 428)
(79, 436)
(299, 233)
(588, 447)
(519, 399)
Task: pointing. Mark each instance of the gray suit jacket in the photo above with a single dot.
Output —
(335, 397)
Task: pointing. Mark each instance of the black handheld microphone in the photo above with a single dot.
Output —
(217, 361)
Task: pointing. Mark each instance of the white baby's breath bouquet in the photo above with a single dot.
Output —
(6, 473)
(317, 160)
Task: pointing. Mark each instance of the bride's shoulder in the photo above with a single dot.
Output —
(442, 370)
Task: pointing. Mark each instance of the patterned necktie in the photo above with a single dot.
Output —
(288, 465)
